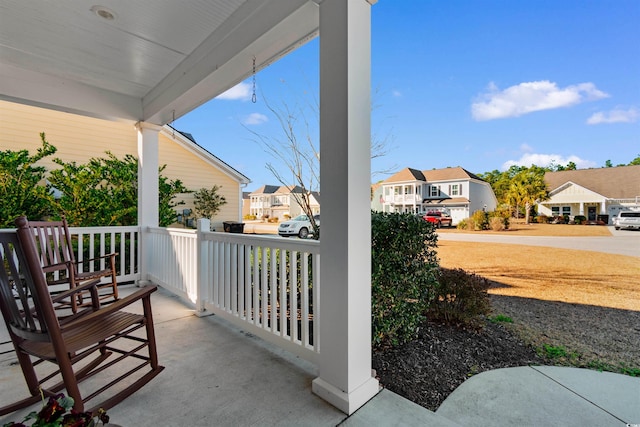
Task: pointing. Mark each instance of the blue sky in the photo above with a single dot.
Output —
(480, 84)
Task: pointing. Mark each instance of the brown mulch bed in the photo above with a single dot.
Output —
(427, 369)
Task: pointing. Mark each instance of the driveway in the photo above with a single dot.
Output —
(621, 242)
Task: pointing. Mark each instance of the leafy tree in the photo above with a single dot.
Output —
(23, 190)
(207, 203)
(608, 164)
(527, 188)
(168, 190)
(105, 192)
(635, 161)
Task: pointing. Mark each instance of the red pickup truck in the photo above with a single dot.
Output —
(438, 219)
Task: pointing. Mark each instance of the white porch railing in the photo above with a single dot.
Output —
(94, 242)
(268, 286)
(403, 199)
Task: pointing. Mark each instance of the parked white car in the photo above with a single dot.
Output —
(627, 219)
(299, 226)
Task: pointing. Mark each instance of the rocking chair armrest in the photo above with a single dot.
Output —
(114, 306)
(81, 287)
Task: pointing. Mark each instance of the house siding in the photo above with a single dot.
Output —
(595, 193)
(412, 191)
(80, 138)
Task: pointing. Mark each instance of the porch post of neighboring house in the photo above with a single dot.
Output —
(581, 208)
(148, 193)
(345, 378)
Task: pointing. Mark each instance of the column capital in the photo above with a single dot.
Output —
(148, 126)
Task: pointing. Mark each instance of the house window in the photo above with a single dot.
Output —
(555, 210)
(566, 210)
(408, 190)
(434, 191)
(454, 190)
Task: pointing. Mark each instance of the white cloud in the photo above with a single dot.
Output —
(396, 93)
(544, 160)
(240, 92)
(255, 119)
(617, 115)
(529, 97)
(526, 148)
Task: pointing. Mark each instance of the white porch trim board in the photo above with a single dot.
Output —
(345, 378)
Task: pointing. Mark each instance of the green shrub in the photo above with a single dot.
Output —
(480, 220)
(249, 217)
(580, 219)
(461, 299)
(463, 224)
(403, 270)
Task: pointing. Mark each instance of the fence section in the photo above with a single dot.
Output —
(270, 286)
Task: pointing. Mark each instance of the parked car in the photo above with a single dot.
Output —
(299, 226)
(438, 219)
(627, 219)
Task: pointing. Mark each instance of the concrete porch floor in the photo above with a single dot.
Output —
(218, 375)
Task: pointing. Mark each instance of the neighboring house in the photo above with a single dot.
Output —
(246, 203)
(594, 193)
(277, 201)
(80, 138)
(454, 190)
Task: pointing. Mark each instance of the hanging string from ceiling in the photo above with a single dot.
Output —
(254, 99)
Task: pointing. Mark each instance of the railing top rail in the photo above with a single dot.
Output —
(107, 229)
(85, 230)
(172, 230)
(266, 241)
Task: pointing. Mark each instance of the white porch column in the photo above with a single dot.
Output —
(345, 378)
(148, 192)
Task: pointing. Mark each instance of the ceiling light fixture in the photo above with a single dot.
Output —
(103, 13)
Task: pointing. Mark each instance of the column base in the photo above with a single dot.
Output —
(346, 402)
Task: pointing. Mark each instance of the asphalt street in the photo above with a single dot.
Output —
(622, 242)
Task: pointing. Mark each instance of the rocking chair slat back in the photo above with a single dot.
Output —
(21, 301)
(55, 249)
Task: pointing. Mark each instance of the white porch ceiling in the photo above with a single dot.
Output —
(155, 60)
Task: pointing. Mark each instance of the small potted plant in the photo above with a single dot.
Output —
(58, 412)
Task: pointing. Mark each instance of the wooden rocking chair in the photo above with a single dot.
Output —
(53, 242)
(80, 346)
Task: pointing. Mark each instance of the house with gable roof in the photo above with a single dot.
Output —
(277, 201)
(595, 193)
(80, 138)
(454, 190)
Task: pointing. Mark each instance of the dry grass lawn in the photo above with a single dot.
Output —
(585, 302)
(519, 228)
(551, 274)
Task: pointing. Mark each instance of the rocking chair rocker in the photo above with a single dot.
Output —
(81, 345)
